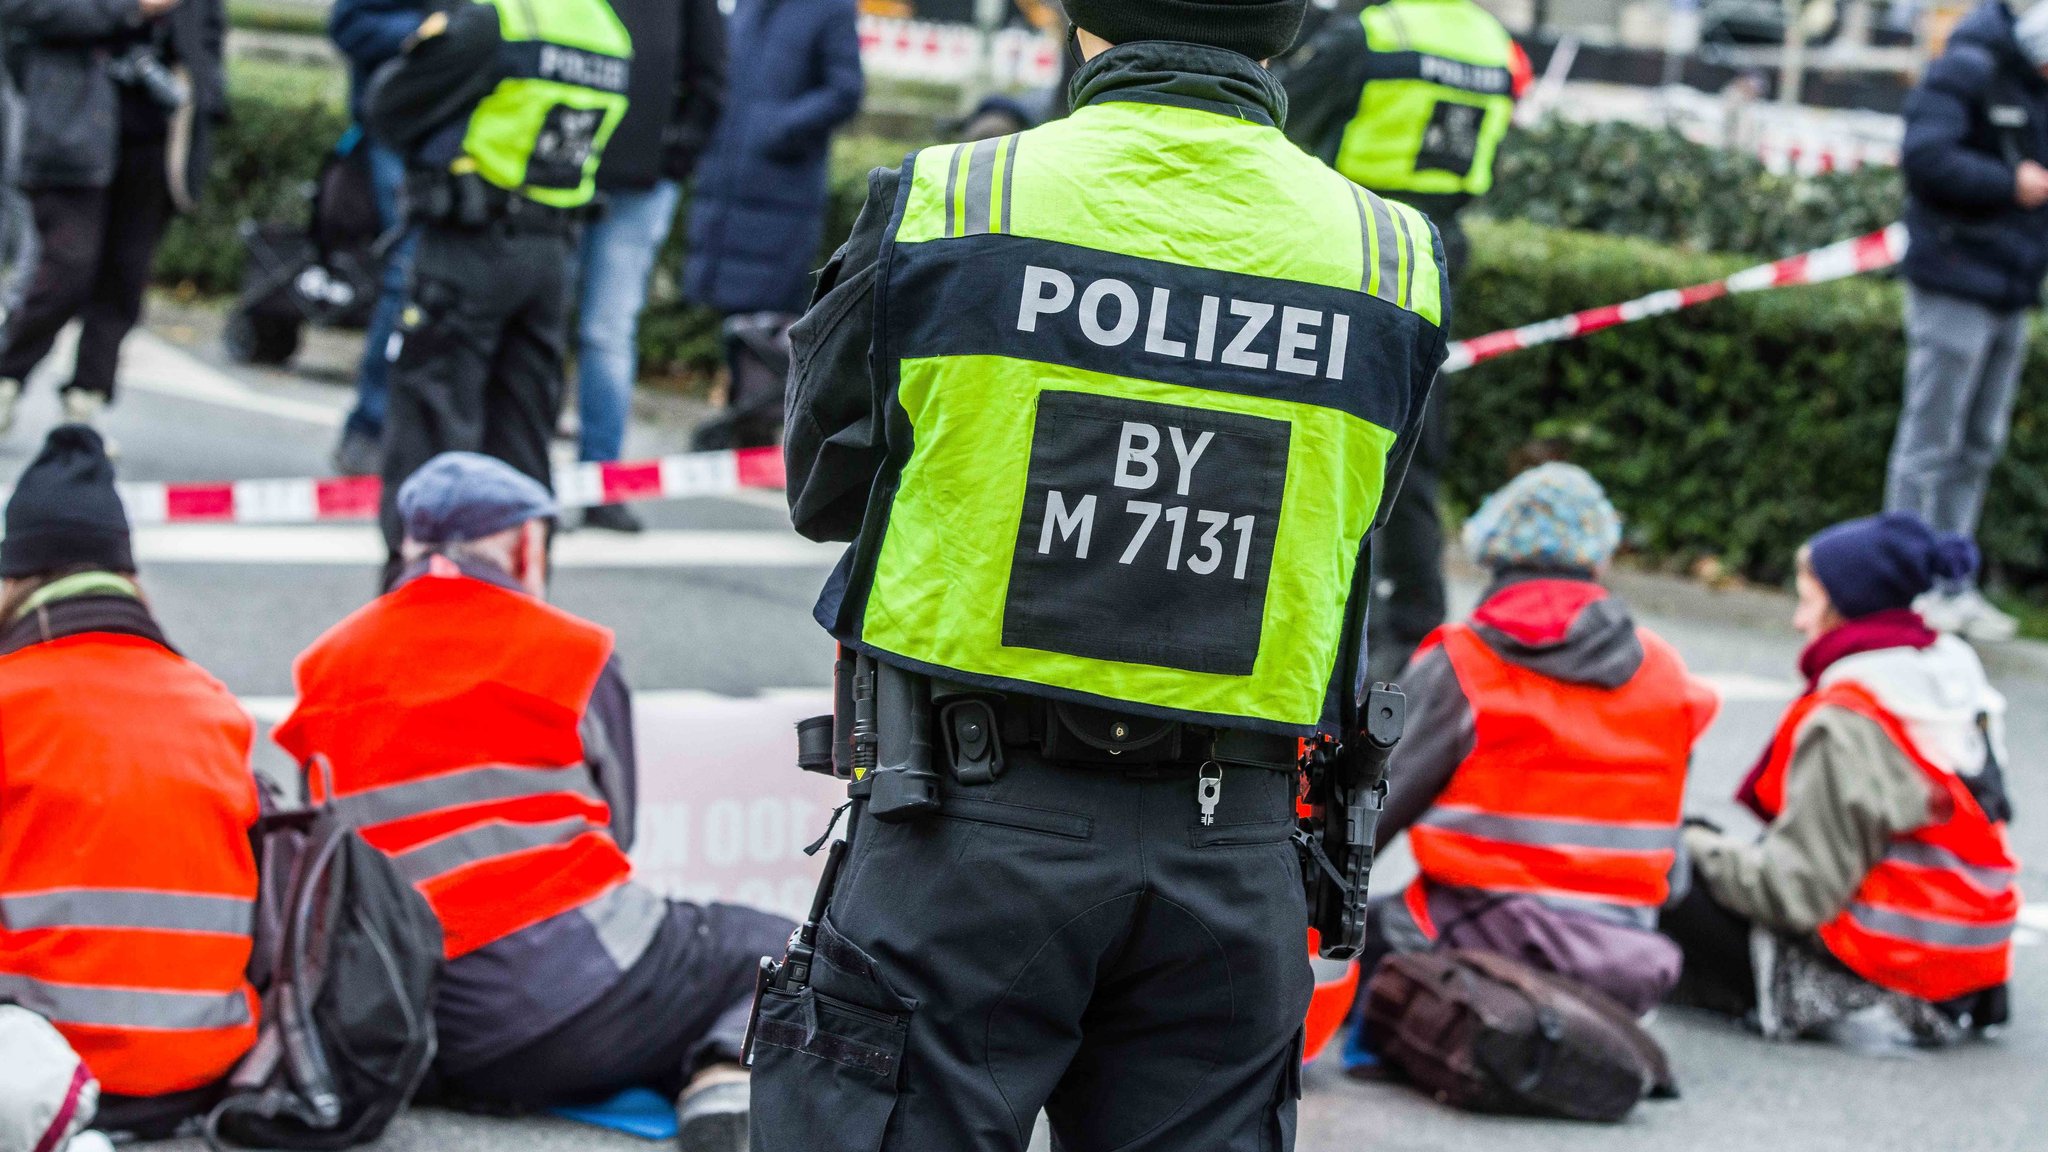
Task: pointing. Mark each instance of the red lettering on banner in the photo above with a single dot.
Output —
(724, 811)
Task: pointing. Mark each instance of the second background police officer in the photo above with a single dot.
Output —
(502, 109)
(1106, 408)
(1410, 98)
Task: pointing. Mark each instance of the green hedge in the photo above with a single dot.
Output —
(1654, 183)
(1735, 429)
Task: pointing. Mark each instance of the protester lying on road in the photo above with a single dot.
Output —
(484, 739)
(1543, 775)
(1884, 879)
(127, 880)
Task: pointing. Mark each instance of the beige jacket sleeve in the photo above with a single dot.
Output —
(1849, 790)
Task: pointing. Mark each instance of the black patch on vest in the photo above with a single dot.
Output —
(1450, 143)
(567, 138)
(1147, 533)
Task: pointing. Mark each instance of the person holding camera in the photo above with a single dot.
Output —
(120, 97)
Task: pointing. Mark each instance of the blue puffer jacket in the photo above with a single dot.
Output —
(757, 212)
(370, 32)
(1978, 111)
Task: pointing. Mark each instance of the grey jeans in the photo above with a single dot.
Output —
(1962, 371)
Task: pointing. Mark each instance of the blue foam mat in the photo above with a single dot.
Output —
(640, 1112)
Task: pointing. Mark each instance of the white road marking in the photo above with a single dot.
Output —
(152, 364)
(1747, 688)
(359, 545)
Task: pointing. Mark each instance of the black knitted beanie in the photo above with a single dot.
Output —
(1257, 28)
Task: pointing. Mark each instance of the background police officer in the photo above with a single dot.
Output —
(1108, 445)
(1411, 99)
(502, 109)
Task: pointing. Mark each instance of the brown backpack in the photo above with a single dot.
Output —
(1482, 1032)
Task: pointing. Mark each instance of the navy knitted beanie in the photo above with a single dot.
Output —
(65, 512)
(1884, 562)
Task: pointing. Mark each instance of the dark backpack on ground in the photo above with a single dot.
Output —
(1482, 1032)
(347, 954)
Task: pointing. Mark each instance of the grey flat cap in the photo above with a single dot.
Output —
(460, 496)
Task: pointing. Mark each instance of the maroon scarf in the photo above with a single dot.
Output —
(1892, 628)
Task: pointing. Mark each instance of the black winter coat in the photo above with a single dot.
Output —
(58, 52)
(1980, 109)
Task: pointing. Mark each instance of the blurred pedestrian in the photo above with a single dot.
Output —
(502, 110)
(757, 213)
(485, 740)
(1542, 779)
(121, 97)
(1883, 877)
(370, 34)
(127, 880)
(677, 90)
(1411, 99)
(1977, 214)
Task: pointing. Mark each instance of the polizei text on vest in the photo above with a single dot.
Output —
(1236, 331)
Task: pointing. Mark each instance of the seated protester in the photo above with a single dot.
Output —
(1542, 778)
(127, 879)
(484, 740)
(1883, 877)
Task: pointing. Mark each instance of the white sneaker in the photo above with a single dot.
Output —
(10, 395)
(82, 407)
(1967, 614)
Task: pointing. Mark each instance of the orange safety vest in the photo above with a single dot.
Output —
(443, 721)
(127, 882)
(1934, 919)
(1572, 792)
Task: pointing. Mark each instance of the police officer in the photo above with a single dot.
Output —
(502, 108)
(1411, 99)
(1107, 409)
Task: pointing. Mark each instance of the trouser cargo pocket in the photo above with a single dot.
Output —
(826, 1073)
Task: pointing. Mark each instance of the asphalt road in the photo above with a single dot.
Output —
(721, 646)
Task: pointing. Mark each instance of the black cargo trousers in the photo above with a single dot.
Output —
(1069, 938)
(477, 363)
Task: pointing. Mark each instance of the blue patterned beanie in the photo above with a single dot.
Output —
(1554, 517)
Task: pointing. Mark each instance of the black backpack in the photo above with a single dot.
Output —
(1482, 1032)
(347, 954)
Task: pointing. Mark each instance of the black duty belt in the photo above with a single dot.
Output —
(469, 201)
(1080, 733)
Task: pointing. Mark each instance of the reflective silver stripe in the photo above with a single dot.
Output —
(1009, 171)
(626, 919)
(128, 908)
(1407, 263)
(125, 1007)
(1925, 930)
(981, 182)
(1364, 241)
(469, 786)
(1547, 832)
(1932, 856)
(493, 838)
(1390, 250)
(952, 186)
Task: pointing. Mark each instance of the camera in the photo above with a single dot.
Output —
(144, 69)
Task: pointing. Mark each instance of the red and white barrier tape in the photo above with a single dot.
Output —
(1834, 262)
(305, 501)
